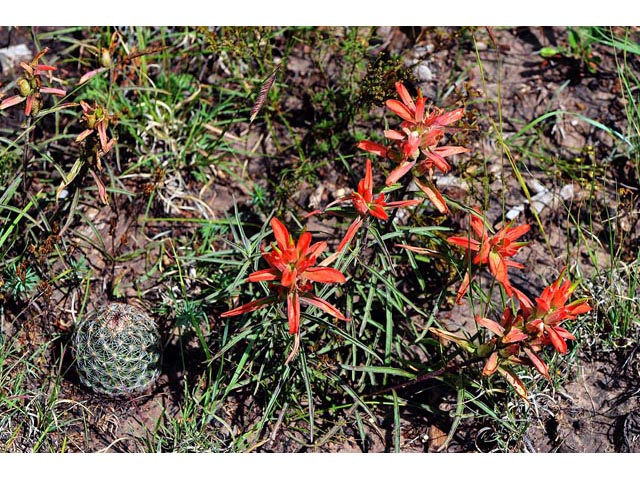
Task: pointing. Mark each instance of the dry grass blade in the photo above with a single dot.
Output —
(262, 96)
(139, 53)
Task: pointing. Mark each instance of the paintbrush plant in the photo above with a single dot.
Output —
(30, 88)
(291, 275)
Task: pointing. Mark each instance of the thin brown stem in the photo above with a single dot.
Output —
(426, 376)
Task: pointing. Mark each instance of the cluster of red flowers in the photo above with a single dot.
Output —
(416, 144)
(518, 337)
(415, 147)
(292, 271)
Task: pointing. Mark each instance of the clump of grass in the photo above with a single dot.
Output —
(615, 294)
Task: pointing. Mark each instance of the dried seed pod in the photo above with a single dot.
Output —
(105, 58)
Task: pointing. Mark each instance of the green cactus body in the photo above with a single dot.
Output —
(117, 350)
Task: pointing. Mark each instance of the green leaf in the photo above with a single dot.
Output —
(573, 38)
(373, 369)
(339, 332)
(68, 178)
(547, 52)
(463, 342)
(396, 422)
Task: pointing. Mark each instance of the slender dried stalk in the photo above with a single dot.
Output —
(262, 96)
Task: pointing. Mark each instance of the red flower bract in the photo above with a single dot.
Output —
(493, 251)
(30, 87)
(416, 143)
(551, 310)
(415, 114)
(292, 270)
(366, 205)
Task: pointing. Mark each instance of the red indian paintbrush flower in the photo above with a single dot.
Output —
(551, 310)
(292, 270)
(414, 114)
(417, 142)
(366, 205)
(30, 86)
(493, 251)
(519, 337)
(97, 120)
(509, 343)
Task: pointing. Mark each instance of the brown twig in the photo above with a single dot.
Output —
(426, 376)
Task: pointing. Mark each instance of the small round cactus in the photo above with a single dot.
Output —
(117, 349)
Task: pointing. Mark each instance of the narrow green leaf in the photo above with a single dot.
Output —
(69, 177)
(381, 370)
(396, 422)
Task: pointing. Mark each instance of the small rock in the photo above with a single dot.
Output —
(11, 57)
(423, 50)
(384, 31)
(315, 199)
(423, 73)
